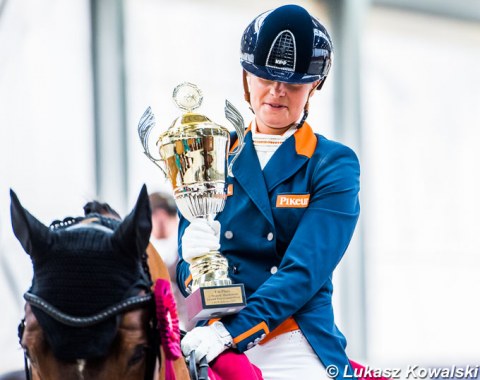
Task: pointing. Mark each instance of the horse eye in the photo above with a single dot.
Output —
(138, 354)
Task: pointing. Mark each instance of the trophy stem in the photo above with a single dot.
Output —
(210, 269)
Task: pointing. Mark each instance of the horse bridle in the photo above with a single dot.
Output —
(75, 321)
(86, 321)
(127, 304)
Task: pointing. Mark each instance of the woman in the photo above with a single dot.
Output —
(291, 213)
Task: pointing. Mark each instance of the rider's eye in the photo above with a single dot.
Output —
(138, 354)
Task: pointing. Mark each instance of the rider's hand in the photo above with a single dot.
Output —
(209, 341)
(199, 238)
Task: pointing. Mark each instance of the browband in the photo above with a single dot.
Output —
(69, 320)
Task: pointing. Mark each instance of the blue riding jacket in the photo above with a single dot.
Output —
(283, 231)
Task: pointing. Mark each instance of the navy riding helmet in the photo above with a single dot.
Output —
(287, 44)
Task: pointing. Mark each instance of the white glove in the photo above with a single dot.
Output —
(209, 341)
(199, 238)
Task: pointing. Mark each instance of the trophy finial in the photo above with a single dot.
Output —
(187, 96)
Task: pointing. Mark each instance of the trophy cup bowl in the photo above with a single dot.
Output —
(194, 158)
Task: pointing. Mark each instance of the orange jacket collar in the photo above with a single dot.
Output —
(305, 141)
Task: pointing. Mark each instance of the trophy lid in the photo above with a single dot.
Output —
(189, 97)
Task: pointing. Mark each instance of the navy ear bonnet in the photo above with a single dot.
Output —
(82, 267)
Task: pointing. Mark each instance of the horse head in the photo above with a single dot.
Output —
(89, 312)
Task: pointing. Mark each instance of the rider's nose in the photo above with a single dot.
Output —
(277, 89)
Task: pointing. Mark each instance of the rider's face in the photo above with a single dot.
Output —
(277, 105)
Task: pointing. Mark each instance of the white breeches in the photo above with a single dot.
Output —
(286, 357)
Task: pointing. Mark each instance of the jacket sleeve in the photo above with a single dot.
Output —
(184, 277)
(318, 245)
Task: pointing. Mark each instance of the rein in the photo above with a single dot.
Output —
(199, 372)
(196, 372)
(28, 368)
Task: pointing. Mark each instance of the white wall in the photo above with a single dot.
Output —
(46, 133)
(420, 187)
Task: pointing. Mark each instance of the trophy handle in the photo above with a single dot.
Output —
(145, 126)
(234, 117)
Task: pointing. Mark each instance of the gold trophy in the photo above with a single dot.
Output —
(194, 158)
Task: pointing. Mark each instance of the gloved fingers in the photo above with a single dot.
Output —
(190, 342)
(215, 225)
(194, 251)
(213, 353)
(200, 235)
(187, 349)
(206, 244)
(205, 341)
(203, 236)
(201, 351)
(190, 254)
(195, 239)
(201, 224)
(199, 238)
(208, 351)
(198, 250)
(199, 231)
(204, 226)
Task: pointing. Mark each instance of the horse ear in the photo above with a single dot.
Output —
(134, 232)
(31, 233)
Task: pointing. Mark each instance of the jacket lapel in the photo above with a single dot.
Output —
(290, 157)
(248, 173)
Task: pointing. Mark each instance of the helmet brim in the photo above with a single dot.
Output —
(278, 75)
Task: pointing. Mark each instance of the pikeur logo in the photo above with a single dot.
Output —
(293, 200)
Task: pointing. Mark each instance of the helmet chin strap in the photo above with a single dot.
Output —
(305, 109)
(305, 115)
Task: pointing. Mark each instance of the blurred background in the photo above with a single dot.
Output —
(404, 93)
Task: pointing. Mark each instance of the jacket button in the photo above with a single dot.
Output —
(273, 270)
(250, 345)
(270, 236)
(228, 235)
(234, 269)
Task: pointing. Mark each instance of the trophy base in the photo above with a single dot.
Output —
(215, 302)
